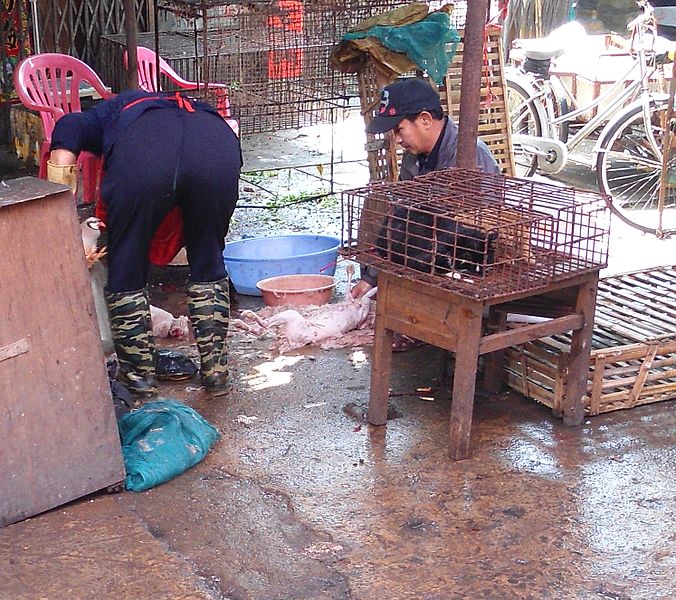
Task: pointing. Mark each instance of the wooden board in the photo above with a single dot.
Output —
(58, 433)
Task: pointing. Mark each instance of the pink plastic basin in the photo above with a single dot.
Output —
(298, 290)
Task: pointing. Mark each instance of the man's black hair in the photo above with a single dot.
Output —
(437, 114)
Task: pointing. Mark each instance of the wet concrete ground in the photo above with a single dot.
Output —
(304, 500)
(307, 501)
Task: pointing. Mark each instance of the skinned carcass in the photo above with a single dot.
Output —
(166, 325)
(319, 326)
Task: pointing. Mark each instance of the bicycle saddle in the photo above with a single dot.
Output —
(555, 44)
(541, 48)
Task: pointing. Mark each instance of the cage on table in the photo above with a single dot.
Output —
(456, 246)
(480, 235)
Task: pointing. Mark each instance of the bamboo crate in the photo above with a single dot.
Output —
(633, 357)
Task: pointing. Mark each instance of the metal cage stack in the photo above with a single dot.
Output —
(272, 54)
(480, 235)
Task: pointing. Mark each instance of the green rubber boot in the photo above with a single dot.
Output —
(209, 308)
(133, 340)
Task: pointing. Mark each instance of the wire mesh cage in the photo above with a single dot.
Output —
(480, 235)
(272, 54)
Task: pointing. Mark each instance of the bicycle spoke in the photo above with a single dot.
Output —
(629, 170)
(523, 121)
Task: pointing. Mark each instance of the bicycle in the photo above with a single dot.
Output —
(630, 118)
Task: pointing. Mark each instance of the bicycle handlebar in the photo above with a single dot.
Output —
(646, 16)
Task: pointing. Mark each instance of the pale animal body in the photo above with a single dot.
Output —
(294, 330)
(165, 325)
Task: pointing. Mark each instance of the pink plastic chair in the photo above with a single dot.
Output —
(147, 80)
(50, 84)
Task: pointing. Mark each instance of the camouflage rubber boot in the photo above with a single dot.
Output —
(209, 307)
(133, 339)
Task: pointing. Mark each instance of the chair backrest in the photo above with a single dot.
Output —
(147, 80)
(50, 83)
(147, 70)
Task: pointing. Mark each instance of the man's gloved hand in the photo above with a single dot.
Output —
(65, 174)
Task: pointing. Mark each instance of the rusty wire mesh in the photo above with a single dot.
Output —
(480, 235)
(272, 54)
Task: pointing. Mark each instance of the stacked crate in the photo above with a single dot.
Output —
(633, 357)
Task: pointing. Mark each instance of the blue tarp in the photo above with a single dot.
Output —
(424, 42)
(161, 440)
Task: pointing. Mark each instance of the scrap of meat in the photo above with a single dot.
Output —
(324, 326)
(165, 325)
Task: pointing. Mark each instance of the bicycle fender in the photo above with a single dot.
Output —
(526, 82)
(618, 118)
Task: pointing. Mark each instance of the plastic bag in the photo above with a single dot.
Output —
(423, 42)
(161, 440)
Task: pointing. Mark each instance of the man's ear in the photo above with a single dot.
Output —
(425, 118)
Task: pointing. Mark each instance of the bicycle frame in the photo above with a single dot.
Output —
(543, 92)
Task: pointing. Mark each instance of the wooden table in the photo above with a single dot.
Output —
(456, 322)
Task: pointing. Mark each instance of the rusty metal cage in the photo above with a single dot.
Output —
(481, 235)
(272, 54)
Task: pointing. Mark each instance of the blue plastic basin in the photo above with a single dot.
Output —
(252, 259)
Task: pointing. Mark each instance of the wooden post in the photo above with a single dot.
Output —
(666, 152)
(464, 382)
(494, 363)
(580, 348)
(130, 30)
(472, 61)
(382, 360)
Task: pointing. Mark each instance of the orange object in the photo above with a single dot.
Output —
(168, 239)
(286, 62)
(297, 290)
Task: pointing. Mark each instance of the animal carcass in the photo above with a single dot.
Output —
(317, 326)
(165, 325)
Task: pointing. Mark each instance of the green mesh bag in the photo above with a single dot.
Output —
(160, 440)
(424, 42)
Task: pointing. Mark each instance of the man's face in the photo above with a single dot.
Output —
(415, 136)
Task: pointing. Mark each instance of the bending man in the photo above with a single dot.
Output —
(161, 151)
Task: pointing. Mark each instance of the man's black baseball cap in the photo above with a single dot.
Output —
(402, 98)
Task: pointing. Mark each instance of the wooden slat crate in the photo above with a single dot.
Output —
(633, 357)
(493, 126)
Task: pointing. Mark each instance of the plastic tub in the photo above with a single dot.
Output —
(250, 260)
(299, 290)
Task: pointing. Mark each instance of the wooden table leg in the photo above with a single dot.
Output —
(494, 363)
(464, 382)
(381, 365)
(580, 348)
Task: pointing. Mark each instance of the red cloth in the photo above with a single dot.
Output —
(168, 239)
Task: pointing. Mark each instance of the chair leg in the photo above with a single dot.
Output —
(44, 157)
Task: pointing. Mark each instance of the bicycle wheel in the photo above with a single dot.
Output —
(524, 120)
(629, 170)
